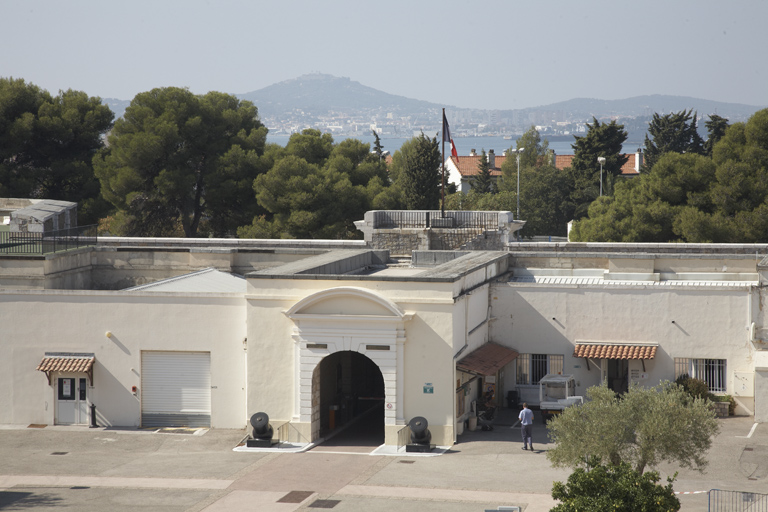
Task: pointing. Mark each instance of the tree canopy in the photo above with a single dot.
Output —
(483, 182)
(643, 427)
(416, 173)
(320, 198)
(178, 159)
(675, 132)
(47, 144)
(691, 197)
(544, 190)
(614, 488)
(602, 140)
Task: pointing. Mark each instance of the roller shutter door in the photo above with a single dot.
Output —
(176, 389)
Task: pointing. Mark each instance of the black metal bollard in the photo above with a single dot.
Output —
(93, 416)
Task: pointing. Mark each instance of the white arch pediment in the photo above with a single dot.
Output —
(347, 302)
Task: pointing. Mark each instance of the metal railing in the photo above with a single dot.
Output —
(737, 501)
(403, 437)
(422, 219)
(21, 243)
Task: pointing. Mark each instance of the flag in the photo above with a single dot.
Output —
(447, 137)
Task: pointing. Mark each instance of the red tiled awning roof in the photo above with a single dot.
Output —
(614, 351)
(68, 364)
(487, 360)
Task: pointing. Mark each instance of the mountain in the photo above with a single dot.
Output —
(318, 93)
(309, 100)
(648, 104)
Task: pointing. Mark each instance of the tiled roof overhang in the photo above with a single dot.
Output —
(615, 351)
(69, 363)
(487, 360)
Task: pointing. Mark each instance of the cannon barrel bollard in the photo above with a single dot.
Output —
(420, 436)
(262, 432)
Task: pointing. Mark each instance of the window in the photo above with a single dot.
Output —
(532, 367)
(711, 371)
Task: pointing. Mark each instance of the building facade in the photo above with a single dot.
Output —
(315, 336)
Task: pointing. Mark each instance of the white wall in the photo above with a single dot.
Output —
(709, 322)
(36, 322)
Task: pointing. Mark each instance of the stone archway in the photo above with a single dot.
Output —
(345, 386)
(347, 319)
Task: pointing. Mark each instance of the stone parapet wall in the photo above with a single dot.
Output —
(402, 232)
(399, 242)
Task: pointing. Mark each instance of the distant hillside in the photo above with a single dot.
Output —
(318, 93)
(116, 106)
(647, 105)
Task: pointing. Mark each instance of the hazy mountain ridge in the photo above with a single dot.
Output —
(648, 104)
(321, 94)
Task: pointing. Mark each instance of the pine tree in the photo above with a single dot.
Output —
(602, 140)
(482, 183)
(675, 132)
(716, 127)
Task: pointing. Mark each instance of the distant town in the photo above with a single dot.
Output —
(346, 108)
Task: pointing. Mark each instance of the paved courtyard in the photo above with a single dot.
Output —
(74, 468)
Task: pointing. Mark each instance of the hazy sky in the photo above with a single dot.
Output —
(484, 54)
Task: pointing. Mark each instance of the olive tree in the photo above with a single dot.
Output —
(643, 427)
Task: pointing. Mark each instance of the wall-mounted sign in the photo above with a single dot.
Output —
(428, 388)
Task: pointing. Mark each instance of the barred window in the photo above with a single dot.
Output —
(532, 367)
(711, 371)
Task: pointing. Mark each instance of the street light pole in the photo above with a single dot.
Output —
(518, 151)
(601, 161)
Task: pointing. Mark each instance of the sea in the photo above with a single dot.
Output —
(463, 144)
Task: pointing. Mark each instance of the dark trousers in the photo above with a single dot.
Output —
(526, 431)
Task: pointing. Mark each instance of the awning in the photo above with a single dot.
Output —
(69, 363)
(487, 360)
(615, 351)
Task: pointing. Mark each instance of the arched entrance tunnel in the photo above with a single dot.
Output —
(348, 394)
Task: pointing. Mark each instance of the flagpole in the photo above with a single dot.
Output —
(442, 182)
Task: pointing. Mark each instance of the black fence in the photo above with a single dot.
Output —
(737, 501)
(36, 244)
(422, 219)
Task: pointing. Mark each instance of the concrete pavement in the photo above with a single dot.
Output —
(121, 470)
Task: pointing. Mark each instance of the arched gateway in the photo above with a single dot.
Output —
(346, 319)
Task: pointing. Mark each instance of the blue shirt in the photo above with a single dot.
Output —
(526, 417)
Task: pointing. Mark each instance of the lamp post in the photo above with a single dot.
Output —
(601, 161)
(518, 151)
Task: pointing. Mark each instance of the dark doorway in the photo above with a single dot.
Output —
(618, 375)
(350, 400)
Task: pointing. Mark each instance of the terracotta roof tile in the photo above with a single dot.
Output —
(628, 169)
(614, 351)
(487, 360)
(66, 364)
(467, 165)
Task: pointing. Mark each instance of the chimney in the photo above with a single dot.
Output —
(472, 152)
(491, 159)
(638, 159)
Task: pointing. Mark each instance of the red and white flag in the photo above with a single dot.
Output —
(447, 137)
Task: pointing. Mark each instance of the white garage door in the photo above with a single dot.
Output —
(176, 389)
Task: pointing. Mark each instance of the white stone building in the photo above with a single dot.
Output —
(316, 332)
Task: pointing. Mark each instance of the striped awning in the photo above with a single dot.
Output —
(615, 351)
(487, 360)
(67, 363)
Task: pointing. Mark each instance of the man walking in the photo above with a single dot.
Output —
(526, 423)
